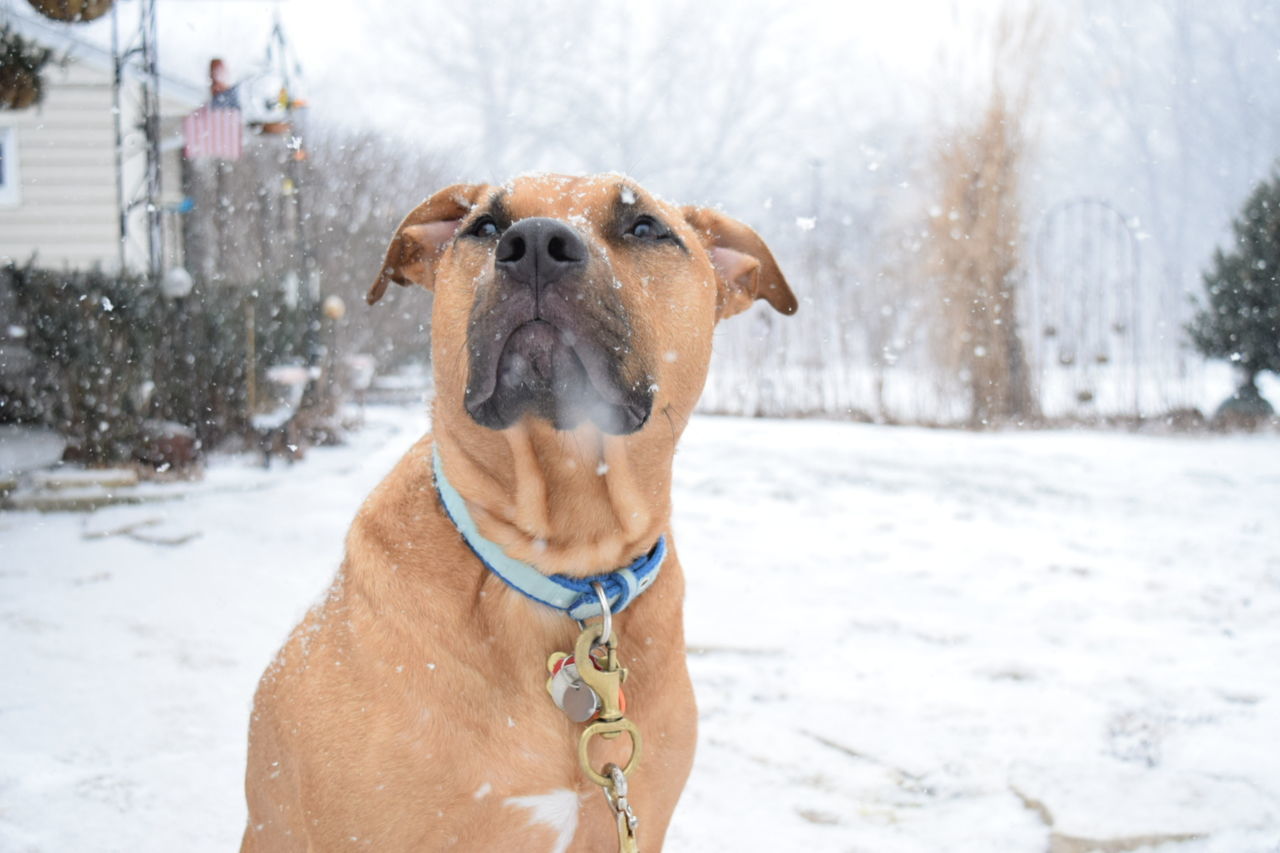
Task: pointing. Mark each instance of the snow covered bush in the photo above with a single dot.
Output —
(86, 334)
(105, 353)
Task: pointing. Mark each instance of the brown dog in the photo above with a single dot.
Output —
(572, 327)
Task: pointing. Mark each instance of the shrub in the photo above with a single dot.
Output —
(107, 352)
(1241, 322)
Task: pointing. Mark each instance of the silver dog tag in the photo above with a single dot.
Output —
(578, 701)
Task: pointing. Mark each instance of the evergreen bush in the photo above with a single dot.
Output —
(108, 352)
(1241, 322)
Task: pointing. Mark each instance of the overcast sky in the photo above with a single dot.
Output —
(1167, 108)
(338, 42)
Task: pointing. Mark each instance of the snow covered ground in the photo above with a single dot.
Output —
(902, 640)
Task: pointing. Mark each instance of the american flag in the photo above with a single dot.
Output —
(213, 132)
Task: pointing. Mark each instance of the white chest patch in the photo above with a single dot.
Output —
(558, 810)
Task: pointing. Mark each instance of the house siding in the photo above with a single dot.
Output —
(66, 213)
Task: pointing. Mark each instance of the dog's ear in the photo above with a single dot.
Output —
(421, 237)
(745, 268)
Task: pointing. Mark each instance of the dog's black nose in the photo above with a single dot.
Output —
(538, 251)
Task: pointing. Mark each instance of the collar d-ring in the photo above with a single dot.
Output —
(606, 625)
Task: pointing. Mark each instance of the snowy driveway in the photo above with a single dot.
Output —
(902, 640)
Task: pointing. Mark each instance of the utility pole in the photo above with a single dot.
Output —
(142, 50)
(151, 129)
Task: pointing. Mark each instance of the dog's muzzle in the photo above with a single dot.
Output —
(553, 339)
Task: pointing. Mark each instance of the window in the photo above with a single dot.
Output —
(9, 196)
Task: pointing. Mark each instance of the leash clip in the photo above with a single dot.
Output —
(616, 795)
(606, 681)
(611, 721)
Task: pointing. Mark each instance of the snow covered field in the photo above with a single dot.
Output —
(902, 640)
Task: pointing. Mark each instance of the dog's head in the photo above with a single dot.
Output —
(582, 299)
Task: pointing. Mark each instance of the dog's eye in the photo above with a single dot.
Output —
(483, 227)
(647, 228)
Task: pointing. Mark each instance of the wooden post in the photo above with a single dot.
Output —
(220, 230)
(250, 357)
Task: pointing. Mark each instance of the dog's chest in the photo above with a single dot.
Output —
(481, 758)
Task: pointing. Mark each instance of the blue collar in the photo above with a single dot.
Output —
(573, 596)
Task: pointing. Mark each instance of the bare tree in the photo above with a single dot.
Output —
(352, 189)
(976, 233)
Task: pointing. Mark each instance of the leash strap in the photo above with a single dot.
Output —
(574, 596)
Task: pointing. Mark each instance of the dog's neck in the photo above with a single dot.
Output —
(568, 503)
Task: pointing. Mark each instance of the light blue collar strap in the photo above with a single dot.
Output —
(574, 596)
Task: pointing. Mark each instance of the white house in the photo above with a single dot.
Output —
(58, 179)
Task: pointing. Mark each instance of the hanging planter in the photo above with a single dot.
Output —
(72, 11)
(20, 64)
